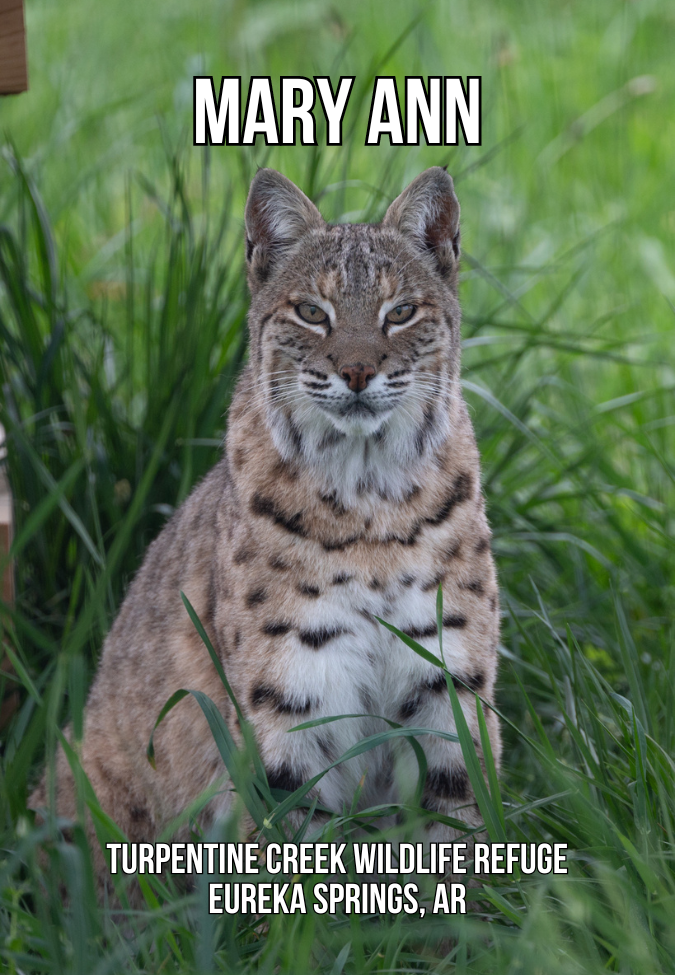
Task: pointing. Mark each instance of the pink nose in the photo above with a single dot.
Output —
(357, 376)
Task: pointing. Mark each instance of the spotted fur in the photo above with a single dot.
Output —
(349, 490)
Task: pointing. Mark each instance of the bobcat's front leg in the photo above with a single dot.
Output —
(447, 787)
(292, 758)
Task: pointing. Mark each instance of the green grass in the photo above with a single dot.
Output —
(122, 314)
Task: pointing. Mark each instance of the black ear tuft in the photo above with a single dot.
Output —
(278, 215)
(427, 212)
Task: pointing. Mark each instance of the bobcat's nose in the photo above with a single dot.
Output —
(357, 376)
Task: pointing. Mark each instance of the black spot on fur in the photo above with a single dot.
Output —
(493, 602)
(330, 438)
(407, 580)
(285, 469)
(335, 506)
(339, 544)
(476, 681)
(437, 684)
(461, 491)
(139, 814)
(482, 545)
(320, 637)
(237, 638)
(434, 685)
(276, 628)
(311, 591)
(424, 432)
(448, 783)
(263, 694)
(433, 583)
(266, 508)
(278, 564)
(418, 632)
(454, 622)
(210, 612)
(243, 555)
(431, 805)
(475, 586)
(452, 551)
(256, 596)
(285, 777)
(376, 585)
(341, 579)
(408, 539)
(409, 708)
(296, 436)
(325, 747)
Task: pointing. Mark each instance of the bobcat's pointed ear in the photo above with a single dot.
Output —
(277, 215)
(427, 212)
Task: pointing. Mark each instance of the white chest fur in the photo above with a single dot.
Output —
(365, 670)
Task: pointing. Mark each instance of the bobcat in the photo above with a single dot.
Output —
(349, 489)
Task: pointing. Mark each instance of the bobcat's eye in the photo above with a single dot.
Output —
(312, 314)
(400, 314)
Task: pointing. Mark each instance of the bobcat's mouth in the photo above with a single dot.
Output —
(357, 416)
(357, 408)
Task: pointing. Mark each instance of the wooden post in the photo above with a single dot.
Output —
(10, 699)
(13, 68)
(6, 524)
(13, 79)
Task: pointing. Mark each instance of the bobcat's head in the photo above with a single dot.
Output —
(355, 330)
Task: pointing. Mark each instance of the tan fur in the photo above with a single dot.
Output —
(329, 507)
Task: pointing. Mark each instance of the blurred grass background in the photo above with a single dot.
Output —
(122, 315)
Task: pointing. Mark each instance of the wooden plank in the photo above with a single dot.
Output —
(13, 66)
